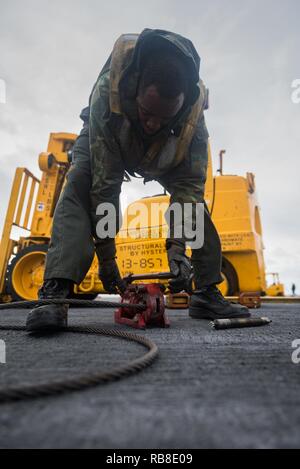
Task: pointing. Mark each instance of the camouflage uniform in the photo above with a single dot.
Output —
(111, 144)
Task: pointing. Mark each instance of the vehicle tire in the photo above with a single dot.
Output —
(24, 276)
(230, 286)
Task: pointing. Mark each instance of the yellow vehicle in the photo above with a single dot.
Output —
(235, 212)
(31, 209)
(231, 200)
(276, 288)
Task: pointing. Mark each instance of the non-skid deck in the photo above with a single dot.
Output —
(208, 389)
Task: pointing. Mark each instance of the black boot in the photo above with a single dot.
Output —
(209, 303)
(50, 318)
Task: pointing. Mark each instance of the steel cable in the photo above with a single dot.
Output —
(86, 303)
(22, 392)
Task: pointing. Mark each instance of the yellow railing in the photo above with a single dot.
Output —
(18, 214)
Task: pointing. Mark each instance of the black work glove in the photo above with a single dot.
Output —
(110, 277)
(180, 266)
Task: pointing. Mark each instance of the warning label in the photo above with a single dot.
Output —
(234, 241)
(142, 249)
(142, 257)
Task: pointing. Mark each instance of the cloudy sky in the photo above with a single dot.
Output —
(51, 52)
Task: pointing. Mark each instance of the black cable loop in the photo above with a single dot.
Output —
(23, 392)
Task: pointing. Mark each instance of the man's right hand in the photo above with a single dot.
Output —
(110, 277)
(180, 267)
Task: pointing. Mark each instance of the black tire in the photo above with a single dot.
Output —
(9, 273)
(231, 276)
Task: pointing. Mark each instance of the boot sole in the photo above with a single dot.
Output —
(195, 313)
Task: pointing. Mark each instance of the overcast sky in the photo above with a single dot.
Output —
(52, 51)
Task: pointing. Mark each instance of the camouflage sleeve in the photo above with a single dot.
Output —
(186, 182)
(106, 165)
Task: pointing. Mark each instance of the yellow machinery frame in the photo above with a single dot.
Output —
(13, 216)
(231, 199)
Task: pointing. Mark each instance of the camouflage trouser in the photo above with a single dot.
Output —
(72, 247)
